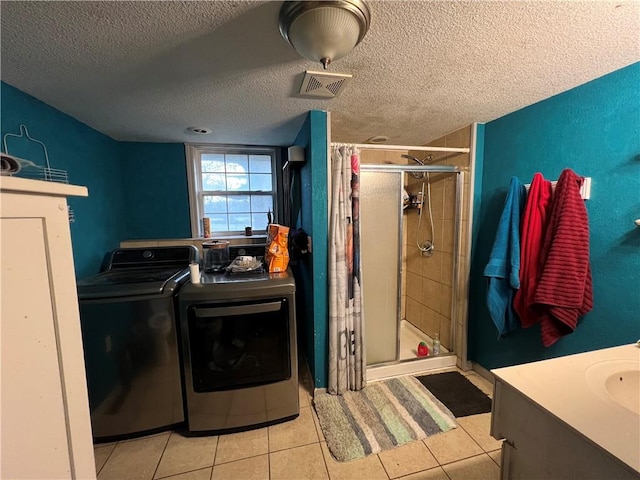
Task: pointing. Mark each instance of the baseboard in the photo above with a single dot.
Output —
(319, 391)
(464, 365)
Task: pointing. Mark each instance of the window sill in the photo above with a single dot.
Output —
(260, 236)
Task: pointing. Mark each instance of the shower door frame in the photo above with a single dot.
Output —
(405, 169)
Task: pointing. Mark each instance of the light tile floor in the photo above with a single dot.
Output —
(297, 450)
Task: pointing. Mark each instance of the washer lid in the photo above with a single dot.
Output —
(131, 282)
(153, 257)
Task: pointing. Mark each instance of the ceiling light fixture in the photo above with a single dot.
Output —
(324, 31)
(378, 139)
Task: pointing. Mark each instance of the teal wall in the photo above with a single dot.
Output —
(311, 272)
(90, 158)
(155, 189)
(593, 129)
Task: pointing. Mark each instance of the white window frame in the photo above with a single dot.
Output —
(193, 154)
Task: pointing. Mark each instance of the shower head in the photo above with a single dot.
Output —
(410, 157)
(417, 175)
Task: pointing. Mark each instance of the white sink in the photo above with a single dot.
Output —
(617, 381)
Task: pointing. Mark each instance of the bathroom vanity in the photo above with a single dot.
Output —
(570, 417)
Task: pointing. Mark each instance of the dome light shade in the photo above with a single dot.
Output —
(324, 31)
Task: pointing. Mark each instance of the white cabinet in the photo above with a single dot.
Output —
(44, 414)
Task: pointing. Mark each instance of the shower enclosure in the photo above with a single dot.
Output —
(410, 242)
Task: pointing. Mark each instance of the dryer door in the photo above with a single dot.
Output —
(243, 344)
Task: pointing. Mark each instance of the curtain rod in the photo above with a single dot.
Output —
(370, 146)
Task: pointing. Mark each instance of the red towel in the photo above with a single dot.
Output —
(534, 226)
(564, 291)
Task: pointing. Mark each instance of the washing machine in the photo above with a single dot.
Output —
(130, 341)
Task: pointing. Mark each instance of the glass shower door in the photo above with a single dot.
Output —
(380, 234)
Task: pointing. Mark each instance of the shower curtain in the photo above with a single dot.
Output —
(347, 363)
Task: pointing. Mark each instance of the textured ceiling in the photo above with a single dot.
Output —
(145, 71)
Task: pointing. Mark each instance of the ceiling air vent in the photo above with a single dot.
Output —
(320, 84)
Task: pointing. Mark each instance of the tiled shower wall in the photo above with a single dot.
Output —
(429, 280)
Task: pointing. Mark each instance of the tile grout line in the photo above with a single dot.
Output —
(153, 476)
(294, 446)
(472, 438)
(139, 437)
(309, 404)
(441, 465)
(168, 477)
(383, 467)
(473, 456)
(445, 473)
(422, 471)
(316, 425)
(215, 454)
(243, 458)
(324, 460)
(107, 459)
(457, 460)
(499, 466)
(269, 452)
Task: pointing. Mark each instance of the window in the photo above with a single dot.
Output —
(235, 187)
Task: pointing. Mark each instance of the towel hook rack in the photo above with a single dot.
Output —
(585, 188)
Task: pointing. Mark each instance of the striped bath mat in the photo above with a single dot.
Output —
(383, 415)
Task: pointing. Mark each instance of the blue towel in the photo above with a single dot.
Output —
(503, 269)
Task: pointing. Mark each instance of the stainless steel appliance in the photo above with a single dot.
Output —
(127, 314)
(239, 351)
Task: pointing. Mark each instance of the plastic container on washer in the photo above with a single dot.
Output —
(216, 256)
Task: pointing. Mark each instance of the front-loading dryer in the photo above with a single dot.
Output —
(239, 353)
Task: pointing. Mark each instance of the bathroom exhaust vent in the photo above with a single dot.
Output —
(326, 85)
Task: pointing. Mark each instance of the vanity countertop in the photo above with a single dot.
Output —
(560, 386)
